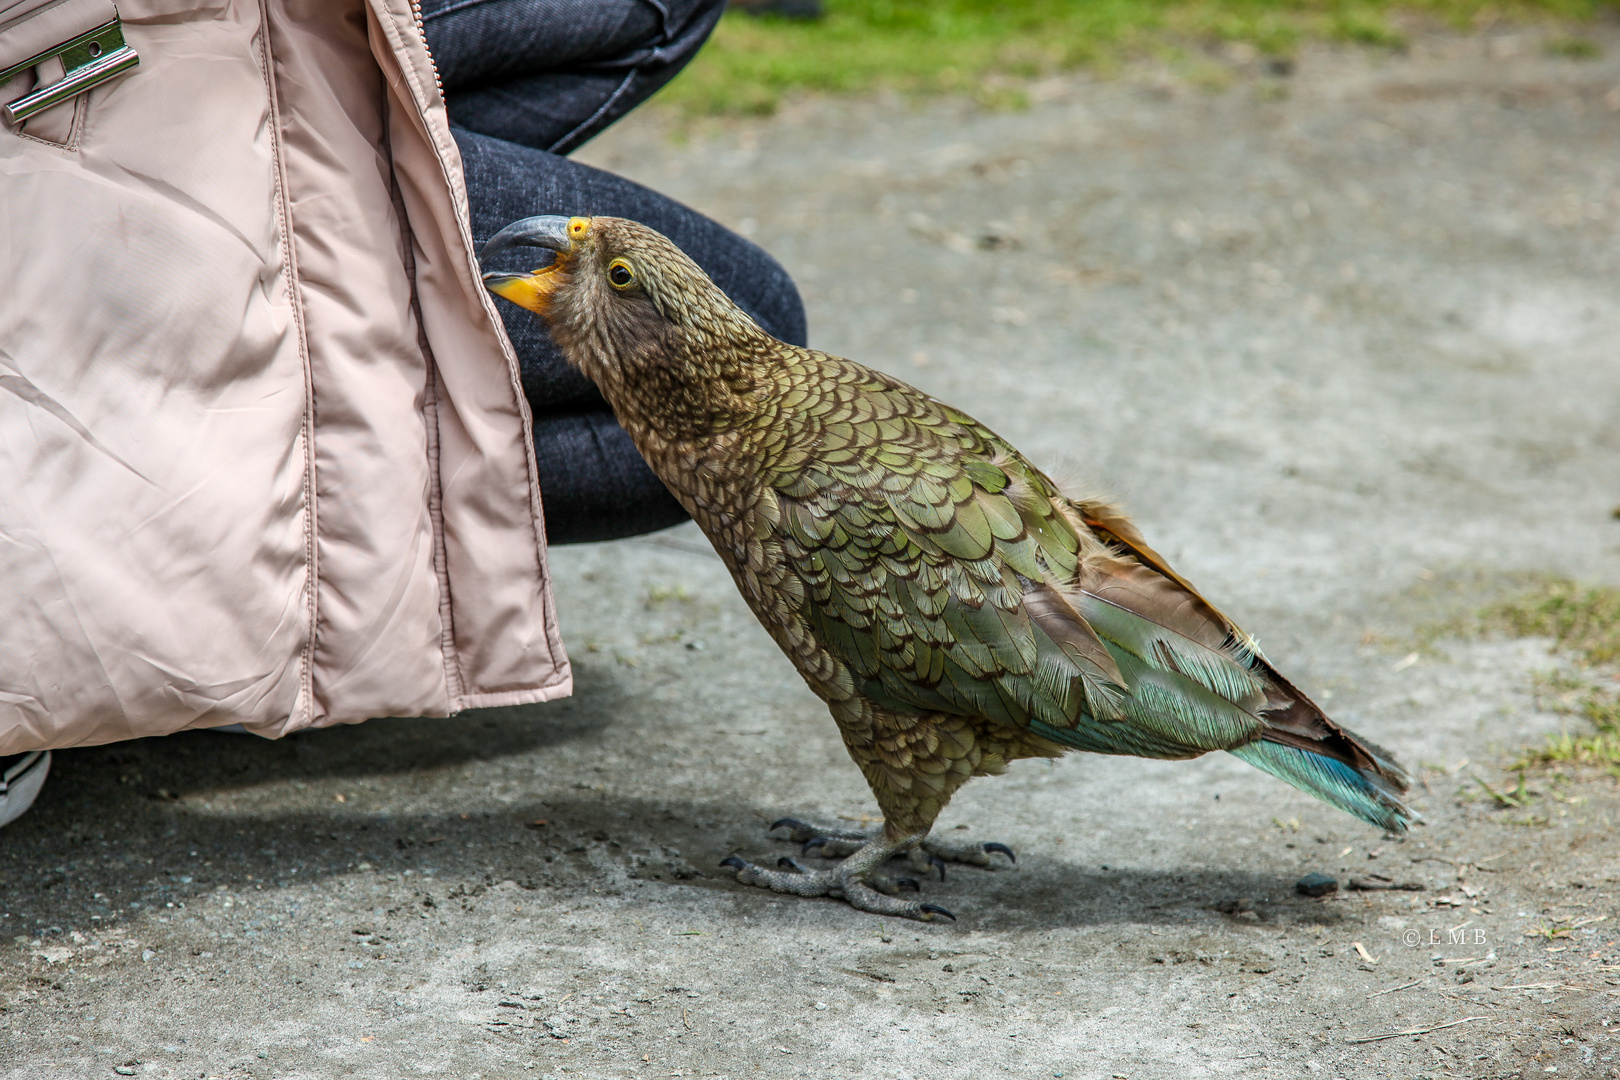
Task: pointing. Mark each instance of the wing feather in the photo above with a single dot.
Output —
(950, 576)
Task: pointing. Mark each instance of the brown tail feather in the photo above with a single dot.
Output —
(1291, 717)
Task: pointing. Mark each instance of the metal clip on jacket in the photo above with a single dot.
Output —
(87, 61)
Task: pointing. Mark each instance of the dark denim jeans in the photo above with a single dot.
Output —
(525, 82)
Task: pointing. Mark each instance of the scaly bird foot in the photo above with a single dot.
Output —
(931, 854)
(953, 849)
(801, 831)
(852, 879)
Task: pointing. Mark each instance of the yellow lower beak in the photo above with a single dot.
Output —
(535, 289)
(532, 291)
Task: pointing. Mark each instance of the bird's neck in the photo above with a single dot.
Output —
(688, 406)
(683, 392)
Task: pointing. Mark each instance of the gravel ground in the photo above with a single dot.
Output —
(1344, 341)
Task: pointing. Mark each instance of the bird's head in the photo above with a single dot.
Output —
(625, 305)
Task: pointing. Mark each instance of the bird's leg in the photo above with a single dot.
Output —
(931, 853)
(849, 879)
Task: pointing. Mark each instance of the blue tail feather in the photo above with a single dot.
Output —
(1367, 796)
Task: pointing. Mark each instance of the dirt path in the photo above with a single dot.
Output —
(1338, 339)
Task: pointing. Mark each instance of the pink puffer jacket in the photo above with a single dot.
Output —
(265, 455)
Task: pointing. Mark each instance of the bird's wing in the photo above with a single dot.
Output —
(928, 553)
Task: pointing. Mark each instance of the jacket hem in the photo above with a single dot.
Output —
(563, 687)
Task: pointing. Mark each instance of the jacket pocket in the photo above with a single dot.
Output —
(52, 52)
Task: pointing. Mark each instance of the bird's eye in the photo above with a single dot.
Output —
(620, 274)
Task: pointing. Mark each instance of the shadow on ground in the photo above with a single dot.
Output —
(139, 828)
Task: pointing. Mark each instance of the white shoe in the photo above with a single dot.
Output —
(21, 777)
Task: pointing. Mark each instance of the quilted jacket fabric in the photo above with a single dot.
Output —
(266, 456)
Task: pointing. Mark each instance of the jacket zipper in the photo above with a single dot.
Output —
(416, 12)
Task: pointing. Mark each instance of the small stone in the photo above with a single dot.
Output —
(1316, 884)
(123, 1070)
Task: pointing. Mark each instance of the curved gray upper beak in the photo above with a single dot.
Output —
(548, 231)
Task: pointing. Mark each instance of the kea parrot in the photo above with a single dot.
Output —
(954, 609)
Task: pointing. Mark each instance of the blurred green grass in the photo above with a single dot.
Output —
(986, 48)
(1583, 622)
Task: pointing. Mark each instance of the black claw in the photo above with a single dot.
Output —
(1003, 848)
(736, 861)
(935, 909)
(793, 823)
(907, 883)
(937, 863)
(786, 863)
(814, 842)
